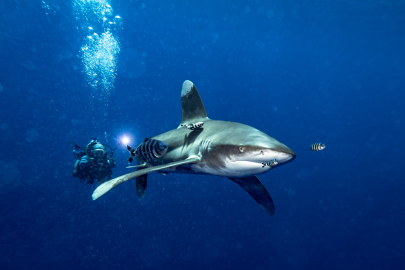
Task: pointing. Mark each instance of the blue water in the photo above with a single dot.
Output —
(300, 71)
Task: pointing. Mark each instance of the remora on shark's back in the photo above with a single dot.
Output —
(222, 148)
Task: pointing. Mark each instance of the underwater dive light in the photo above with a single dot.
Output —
(125, 140)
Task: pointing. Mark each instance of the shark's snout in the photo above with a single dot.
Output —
(288, 154)
(281, 156)
(291, 158)
(271, 148)
(280, 147)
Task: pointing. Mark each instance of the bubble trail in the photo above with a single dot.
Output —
(99, 51)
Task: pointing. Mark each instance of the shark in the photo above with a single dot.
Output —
(221, 148)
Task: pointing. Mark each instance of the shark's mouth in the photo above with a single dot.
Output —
(269, 158)
(249, 167)
(276, 163)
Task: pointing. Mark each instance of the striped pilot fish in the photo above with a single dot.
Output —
(317, 146)
(148, 150)
(194, 125)
(270, 163)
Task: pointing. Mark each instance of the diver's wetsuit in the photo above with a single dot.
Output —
(93, 164)
(100, 171)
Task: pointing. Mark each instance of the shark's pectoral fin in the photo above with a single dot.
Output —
(256, 189)
(137, 166)
(105, 187)
(141, 183)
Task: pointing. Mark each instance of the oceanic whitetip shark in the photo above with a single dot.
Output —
(222, 148)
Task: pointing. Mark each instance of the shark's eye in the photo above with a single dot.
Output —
(241, 148)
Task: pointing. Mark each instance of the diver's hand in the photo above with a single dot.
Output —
(111, 161)
(83, 162)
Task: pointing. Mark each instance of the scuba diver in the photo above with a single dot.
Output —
(92, 162)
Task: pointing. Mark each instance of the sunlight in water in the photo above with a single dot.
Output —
(100, 47)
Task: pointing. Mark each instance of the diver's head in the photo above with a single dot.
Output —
(96, 150)
(99, 150)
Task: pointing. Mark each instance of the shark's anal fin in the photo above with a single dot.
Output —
(141, 183)
(192, 107)
(256, 189)
(105, 187)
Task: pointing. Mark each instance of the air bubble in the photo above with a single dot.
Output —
(118, 21)
(99, 52)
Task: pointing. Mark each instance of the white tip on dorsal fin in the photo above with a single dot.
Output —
(187, 86)
(192, 107)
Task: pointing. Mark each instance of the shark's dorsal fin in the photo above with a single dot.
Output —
(192, 107)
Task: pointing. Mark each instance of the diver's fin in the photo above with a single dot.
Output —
(256, 189)
(141, 183)
(192, 107)
(105, 187)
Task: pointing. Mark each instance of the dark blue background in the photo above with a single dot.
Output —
(329, 71)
